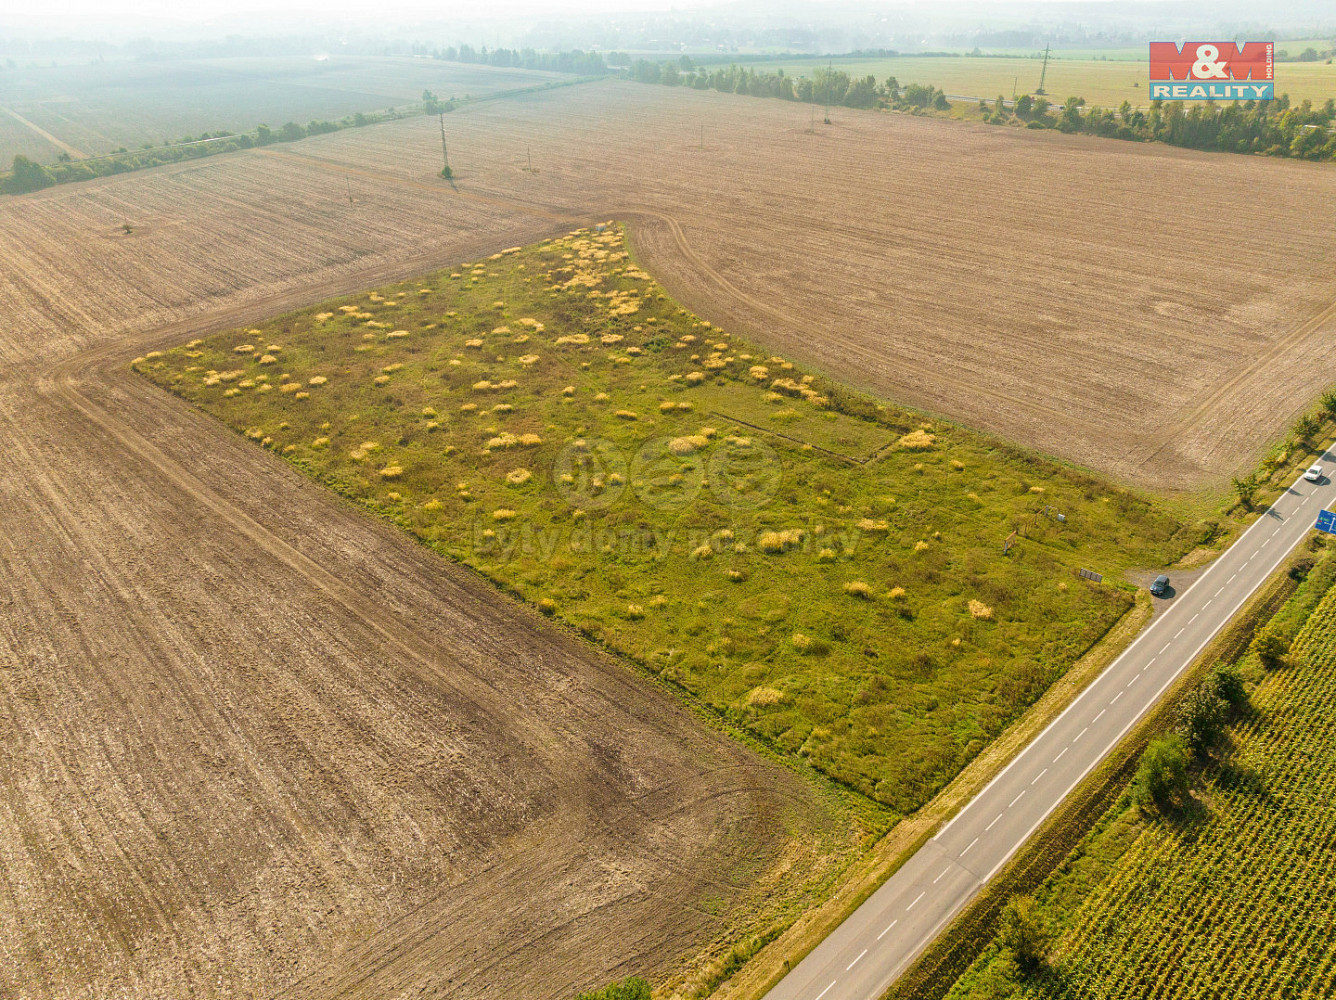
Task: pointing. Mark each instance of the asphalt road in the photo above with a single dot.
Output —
(884, 935)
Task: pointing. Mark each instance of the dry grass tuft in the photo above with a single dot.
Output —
(764, 697)
(317, 380)
(518, 477)
(625, 414)
(780, 541)
(896, 593)
(917, 440)
(391, 472)
(921, 546)
(502, 514)
(980, 610)
(687, 445)
(859, 589)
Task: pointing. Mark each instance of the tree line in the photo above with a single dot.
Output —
(575, 61)
(27, 175)
(1271, 128)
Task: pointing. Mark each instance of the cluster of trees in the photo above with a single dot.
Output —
(26, 175)
(1203, 717)
(575, 61)
(825, 86)
(1302, 434)
(1272, 128)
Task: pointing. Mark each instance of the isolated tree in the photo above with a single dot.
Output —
(1162, 776)
(1246, 488)
(1228, 685)
(1024, 105)
(1201, 718)
(1272, 647)
(1022, 931)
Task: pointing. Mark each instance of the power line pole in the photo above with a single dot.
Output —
(1043, 73)
(446, 172)
(350, 188)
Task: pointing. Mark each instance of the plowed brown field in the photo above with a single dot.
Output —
(256, 745)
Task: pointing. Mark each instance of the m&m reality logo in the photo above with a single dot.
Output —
(1212, 71)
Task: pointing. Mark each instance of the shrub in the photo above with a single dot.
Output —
(1201, 718)
(1162, 776)
(1228, 685)
(1272, 647)
(1023, 932)
(634, 988)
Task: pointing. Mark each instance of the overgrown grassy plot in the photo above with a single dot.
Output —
(551, 418)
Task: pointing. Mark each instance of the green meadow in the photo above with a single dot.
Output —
(823, 569)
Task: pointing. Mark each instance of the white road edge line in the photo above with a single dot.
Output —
(1187, 661)
(1112, 666)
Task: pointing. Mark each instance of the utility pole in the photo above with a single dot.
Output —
(1043, 73)
(350, 188)
(529, 155)
(446, 172)
(702, 138)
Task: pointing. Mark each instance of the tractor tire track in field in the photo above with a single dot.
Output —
(610, 840)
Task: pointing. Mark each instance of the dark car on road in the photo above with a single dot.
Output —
(1160, 586)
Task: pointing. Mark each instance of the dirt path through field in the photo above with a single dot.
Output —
(60, 144)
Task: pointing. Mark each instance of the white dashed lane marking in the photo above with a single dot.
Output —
(1116, 697)
(1059, 756)
(1039, 775)
(1098, 717)
(1016, 799)
(827, 989)
(915, 903)
(967, 850)
(941, 876)
(993, 823)
(1081, 733)
(887, 930)
(855, 961)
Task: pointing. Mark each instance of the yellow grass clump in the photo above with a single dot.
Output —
(958, 465)
(244, 349)
(858, 588)
(896, 593)
(625, 414)
(868, 524)
(705, 551)
(322, 317)
(764, 697)
(917, 440)
(695, 378)
(518, 477)
(921, 546)
(687, 445)
(290, 387)
(395, 334)
(572, 338)
(391, 472)
(475, 342)
(528, 359)
(379, 380)
(483, 386)
(568, 391)
(980, 610)
(635, 612)
(320, 442)
(502, 514)
(780, 541)
(268, 359)
(317, 380)
(274, 348)
(611, 338)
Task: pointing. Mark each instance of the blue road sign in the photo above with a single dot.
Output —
(1326, 521)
